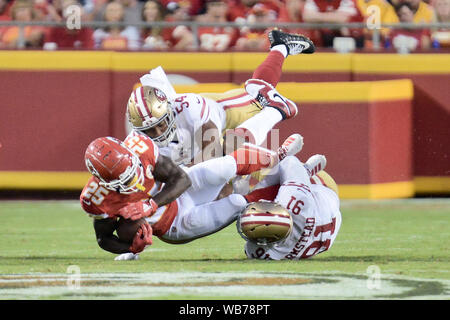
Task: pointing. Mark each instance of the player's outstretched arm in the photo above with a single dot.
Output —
(176, 181)
(104, 229)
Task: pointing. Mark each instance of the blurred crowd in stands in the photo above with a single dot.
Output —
(216, 38)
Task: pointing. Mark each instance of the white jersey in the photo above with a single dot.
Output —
(192, 111)
(316, 222)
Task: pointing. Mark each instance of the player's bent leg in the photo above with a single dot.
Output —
(205, 219)
(209, 177)
(260, 124)
(250, 158)
(326, 180)
(271, 68)
(291, 168)
(267, 177)
(234, 138)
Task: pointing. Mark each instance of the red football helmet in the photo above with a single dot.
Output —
(117, 167)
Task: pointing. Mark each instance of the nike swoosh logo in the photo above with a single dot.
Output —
(87, 202)
(305, 44)
(276, 95)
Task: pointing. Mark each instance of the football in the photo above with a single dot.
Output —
(127, 229)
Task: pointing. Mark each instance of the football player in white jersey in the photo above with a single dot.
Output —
(190, 128)
(293, 214)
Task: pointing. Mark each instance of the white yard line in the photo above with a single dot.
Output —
(217, 285)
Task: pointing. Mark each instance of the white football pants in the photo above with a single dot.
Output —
(198, 214)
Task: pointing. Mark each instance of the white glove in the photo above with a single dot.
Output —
(181, 154)
(127, 256)
(241, 184)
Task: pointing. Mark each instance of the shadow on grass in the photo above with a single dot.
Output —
(361, 258)
(47, 258)
(379, 258)
(143, 257)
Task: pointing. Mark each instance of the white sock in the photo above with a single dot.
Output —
(281, 48)
(261, 123)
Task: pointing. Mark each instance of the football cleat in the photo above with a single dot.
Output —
(291, 146)
(268, 96)
(295, 43)
(315, 164)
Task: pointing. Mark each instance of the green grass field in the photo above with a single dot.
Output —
(407, 241)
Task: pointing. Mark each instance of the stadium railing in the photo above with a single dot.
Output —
(375, 31)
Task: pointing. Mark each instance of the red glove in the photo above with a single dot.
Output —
(137, 210)
(142, 238)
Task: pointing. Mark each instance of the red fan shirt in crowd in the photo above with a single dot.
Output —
(216, 38)
(238, 10)
(195, 6)
(173, 35)
(344, 6)
(285, 16)
(71, 39)
(418, 35)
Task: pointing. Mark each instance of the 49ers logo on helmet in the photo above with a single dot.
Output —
(160, 95)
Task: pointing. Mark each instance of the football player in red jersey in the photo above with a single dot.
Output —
(132, 180)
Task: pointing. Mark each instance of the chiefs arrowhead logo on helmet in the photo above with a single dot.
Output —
(117, 167)
(264, 223)
(147, 108)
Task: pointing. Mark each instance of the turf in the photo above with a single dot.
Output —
(403, 237)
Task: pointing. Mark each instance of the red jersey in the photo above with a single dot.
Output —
(216, 38)
(100, 202)
(284, 16)
(418, 35)
(345, 6)
(69, 39)
(195, 6)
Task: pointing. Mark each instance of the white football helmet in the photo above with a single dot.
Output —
(264, 223)
(147, 108)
